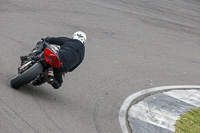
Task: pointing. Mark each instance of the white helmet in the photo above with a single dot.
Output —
(81, 36)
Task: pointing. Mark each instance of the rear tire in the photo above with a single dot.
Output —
(27, 76)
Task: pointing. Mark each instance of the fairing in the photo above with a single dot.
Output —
(51, 58)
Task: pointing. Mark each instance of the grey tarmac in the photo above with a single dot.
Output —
(132, 46)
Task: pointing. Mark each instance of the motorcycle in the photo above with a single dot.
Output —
(38, 69)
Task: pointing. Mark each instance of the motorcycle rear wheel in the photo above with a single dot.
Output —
(27, 76)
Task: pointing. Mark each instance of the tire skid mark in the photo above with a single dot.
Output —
(49, 118)
(9, 114)
(155, 21)
(17, 130)
(95, 116)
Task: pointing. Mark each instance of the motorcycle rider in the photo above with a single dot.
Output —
(71, 54)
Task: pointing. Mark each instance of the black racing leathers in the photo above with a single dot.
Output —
(71, 54)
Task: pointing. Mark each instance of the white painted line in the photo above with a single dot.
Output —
(134, 98)
(190, 96)
(154, 116)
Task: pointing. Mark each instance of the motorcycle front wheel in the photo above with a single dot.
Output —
(27, 76)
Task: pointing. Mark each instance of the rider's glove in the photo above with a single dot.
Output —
(43, 38)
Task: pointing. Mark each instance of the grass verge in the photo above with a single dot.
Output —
(189, 122)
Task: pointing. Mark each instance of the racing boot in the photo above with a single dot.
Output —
(52, 81)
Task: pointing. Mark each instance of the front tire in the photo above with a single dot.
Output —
(27, 76)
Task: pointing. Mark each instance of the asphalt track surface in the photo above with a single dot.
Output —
(132, 45)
